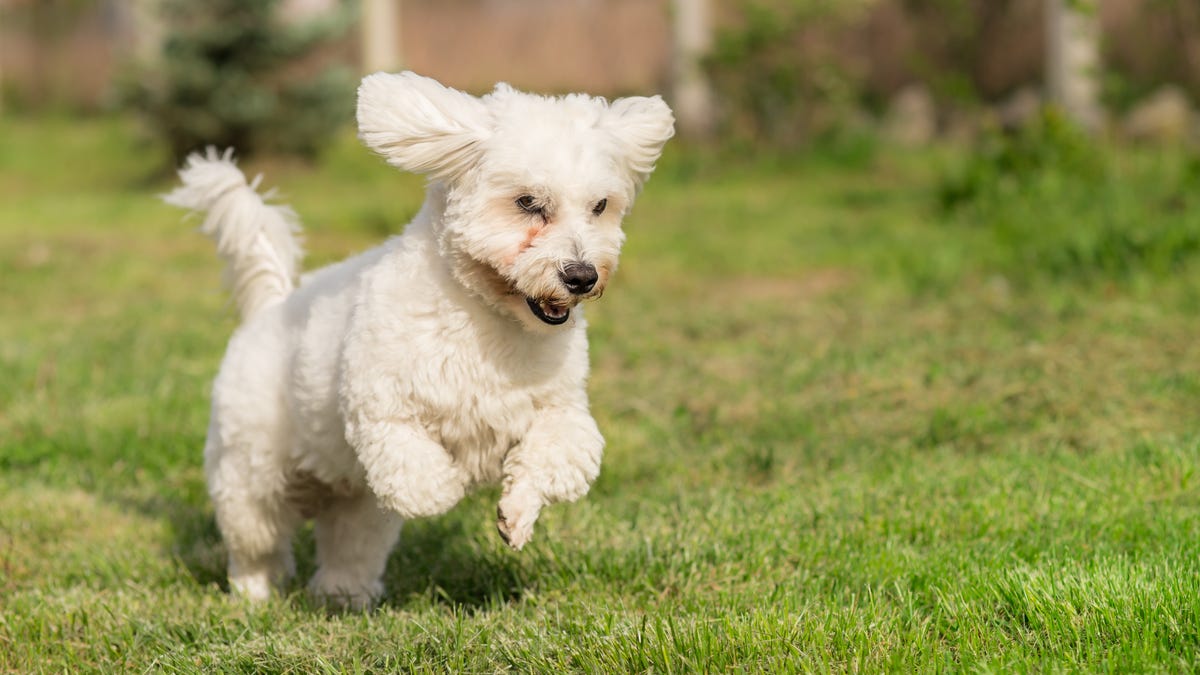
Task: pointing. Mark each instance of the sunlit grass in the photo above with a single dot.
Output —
(848, 430)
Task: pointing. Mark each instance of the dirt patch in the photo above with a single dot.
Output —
(815, 284)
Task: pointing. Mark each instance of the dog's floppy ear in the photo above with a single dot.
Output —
(641, 126)
(418, 125)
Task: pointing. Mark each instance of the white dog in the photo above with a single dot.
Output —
(386, 386)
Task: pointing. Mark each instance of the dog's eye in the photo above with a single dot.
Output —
(599, 207)
(528, 204)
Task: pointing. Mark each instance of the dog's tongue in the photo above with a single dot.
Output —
(552, 310)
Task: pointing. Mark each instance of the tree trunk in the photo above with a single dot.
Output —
(1073, 60)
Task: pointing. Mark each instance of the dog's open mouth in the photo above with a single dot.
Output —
(548, 311)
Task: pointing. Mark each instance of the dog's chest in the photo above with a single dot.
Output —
(424, 353)
(480, 431)
(473, 411)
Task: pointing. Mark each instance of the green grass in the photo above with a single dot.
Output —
(849, 429)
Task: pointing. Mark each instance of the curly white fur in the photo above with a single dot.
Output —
(388, 385)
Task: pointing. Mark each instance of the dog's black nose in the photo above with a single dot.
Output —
(579, 277)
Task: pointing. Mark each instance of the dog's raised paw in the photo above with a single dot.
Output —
(515, 515)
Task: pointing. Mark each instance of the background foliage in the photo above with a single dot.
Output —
(1057, 202)
(776, 72)
(233, 74)
(790, 71)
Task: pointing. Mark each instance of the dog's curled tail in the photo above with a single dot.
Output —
(258, 242)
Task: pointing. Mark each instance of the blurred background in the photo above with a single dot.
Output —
(899, 372)
(785, 72)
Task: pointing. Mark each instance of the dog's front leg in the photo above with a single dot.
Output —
(556, 461)
(408, 471)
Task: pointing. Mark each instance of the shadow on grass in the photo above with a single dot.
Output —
(448, 560)
(445, 560)
(195, 540)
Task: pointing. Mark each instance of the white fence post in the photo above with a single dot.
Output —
(691, 92)
(1073, 60)
(381, 35)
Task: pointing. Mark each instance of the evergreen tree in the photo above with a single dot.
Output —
(233, 74)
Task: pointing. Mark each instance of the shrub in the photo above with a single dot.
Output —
(231, 74)
(779, 71)
(1038, 158)
(1054, 202)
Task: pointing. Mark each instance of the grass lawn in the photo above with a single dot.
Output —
(849, 428)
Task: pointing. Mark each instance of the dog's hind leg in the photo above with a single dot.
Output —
(354, 538)
(253, 514)
(259, 540)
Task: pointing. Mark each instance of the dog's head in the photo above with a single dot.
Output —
(533, 188)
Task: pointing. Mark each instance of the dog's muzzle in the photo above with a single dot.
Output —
(579, 279)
